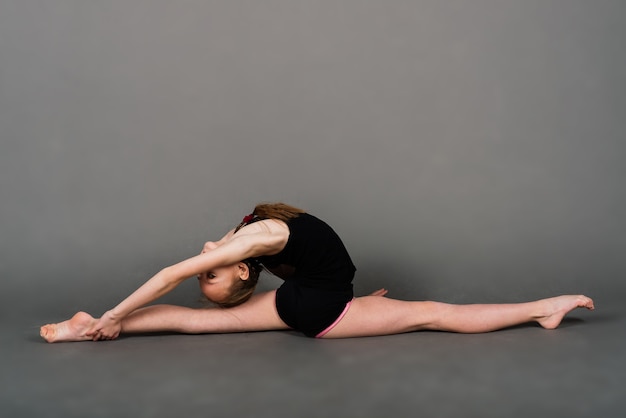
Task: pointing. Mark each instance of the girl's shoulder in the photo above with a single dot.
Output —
(266, 236)
(265, 226)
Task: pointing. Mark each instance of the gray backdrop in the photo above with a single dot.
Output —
(465, 150)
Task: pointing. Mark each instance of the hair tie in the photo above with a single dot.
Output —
(247, 219)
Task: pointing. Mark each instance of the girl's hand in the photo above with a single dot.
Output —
(379, 292)
(108, 327)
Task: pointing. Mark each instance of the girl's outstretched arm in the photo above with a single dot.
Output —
(230, 252)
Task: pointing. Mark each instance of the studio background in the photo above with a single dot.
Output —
(465, 151)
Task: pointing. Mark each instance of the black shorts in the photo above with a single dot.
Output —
(309, 309)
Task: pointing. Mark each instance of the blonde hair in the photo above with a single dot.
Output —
(242, 290)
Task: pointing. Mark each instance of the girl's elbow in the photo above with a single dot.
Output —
(169, 277)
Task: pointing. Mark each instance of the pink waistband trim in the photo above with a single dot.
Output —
(339, 318)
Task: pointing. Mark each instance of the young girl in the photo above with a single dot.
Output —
(316, 297)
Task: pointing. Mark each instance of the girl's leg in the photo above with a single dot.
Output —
(374, 315)
(258, 314)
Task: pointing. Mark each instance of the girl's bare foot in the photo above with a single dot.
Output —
(73, 329)
(554, 309)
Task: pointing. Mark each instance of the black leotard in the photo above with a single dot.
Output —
(318, 274)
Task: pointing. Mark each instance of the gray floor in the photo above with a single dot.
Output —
(578, 370)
